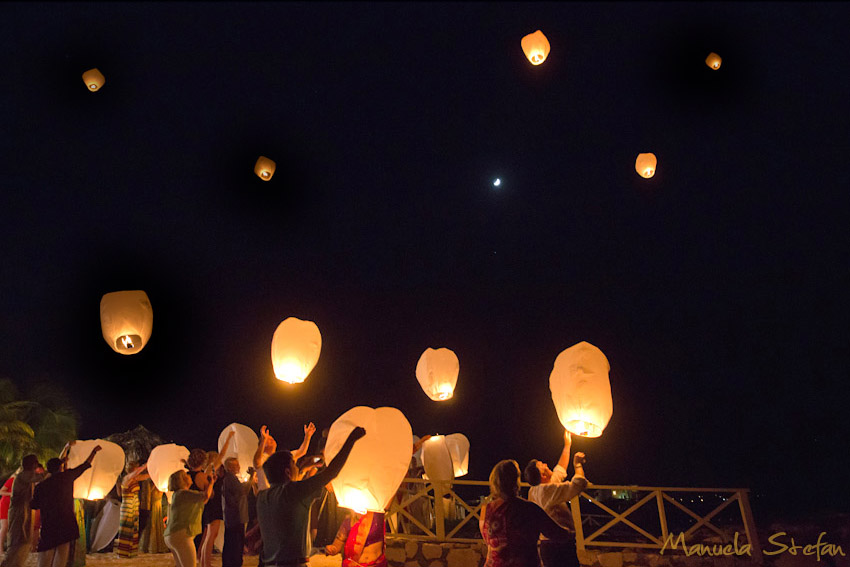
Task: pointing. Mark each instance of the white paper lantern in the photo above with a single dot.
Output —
(645, 165)
(536, 47)
(242, 445)
(98, 480)
(264, 168)
(93, 79)
(379, 461)
(437, 372)
(458, 446)
(581, 391)
(296, 346)
(437, 459)
(165, 460)
(126, 319)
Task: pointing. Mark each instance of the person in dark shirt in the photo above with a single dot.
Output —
(283, 510)
(234, 499)
(54, 496)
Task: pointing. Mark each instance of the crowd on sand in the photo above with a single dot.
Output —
(284, 513)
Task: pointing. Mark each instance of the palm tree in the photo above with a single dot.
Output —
(41, 425)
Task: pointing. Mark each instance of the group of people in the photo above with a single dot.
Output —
(210, 495)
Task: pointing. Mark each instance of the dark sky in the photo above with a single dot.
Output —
(717, 289)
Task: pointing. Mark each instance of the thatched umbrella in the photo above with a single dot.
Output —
(137, 443)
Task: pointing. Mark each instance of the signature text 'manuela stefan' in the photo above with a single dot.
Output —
(779, 541)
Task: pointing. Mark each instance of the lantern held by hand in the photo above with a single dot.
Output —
(96, 482)
(581, 391)
(379, 461)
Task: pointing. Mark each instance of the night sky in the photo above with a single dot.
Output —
(718, 289)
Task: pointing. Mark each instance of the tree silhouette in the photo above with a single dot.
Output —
(41, 424)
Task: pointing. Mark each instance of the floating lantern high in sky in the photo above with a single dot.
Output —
(581, 391)
(645, 165)
(296, 346)
(243, 445)
(126, 319)
(437, 372)
(713, 60)
(379, 461)
(165, 460)
(98, 480)
(536, 47)
(264, 168)
(93, 79)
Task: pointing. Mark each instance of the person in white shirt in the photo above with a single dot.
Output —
(550, 490)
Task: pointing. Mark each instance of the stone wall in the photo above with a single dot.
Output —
(411, 553)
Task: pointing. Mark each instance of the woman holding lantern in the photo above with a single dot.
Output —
(128, 489)
(511, 525)
(361, 540)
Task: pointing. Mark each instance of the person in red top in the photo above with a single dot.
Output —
(511, 525)
(360, 540)
(5, 500)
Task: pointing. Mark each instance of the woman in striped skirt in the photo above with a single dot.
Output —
(128, 530)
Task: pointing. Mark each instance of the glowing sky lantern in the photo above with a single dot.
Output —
(581, 391)
(98, 479)
(458, 446)
(379, 461)
(243, 445)
(536, 47)
(126, 319)
(713, 60)
(296, 345)
(165, 460)
(437, 372)
(93, 79)
(645, 165)
(264, 168)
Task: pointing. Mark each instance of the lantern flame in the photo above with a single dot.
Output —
(95, 494)
(127, 342)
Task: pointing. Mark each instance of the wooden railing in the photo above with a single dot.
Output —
(601, 517)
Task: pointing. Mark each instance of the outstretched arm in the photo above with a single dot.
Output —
(564, 460)
(309, 430)
(418, 444)
(320, 479)
(223, 452)
(266, 447)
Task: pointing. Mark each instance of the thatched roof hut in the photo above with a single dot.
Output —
(137, 443)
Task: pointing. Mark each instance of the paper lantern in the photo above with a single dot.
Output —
(165, 460)
(645, 165)
(242, 445)
(126, 319)
(458, 446)
(581, 391)
(437, 459)
(437, 372)
(98, 480)
(264, 168)
(93, 79)
(379, 461)
(713, 60)
(536, 47)
(296, 345)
